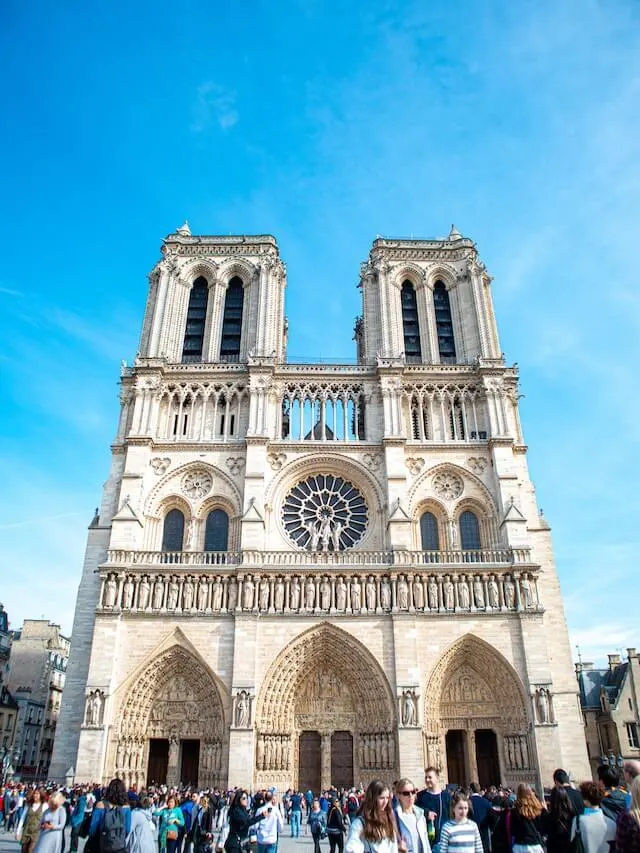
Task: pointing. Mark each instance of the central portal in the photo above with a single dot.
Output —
(310, 762)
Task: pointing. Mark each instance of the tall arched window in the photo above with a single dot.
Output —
(469, 531)
(444, 323)
(429, 532)
(216, 532)
(410, 324)
(196, 319)
(232, 321)
(173, 531)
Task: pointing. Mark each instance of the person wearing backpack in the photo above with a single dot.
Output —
(111, 820)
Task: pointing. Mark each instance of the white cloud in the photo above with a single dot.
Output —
(213, 105)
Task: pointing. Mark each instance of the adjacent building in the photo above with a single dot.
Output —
(37, 670)
(314, 574)
(610, 698)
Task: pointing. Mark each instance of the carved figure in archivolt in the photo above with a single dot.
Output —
(144, 593)
(409, 708)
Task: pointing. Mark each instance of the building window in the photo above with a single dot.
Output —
(429, 532)
(216, 533)
(444, 323)
(232, 321)
(173, 531)
(410, 324)
(469, 531)
(196, 318)
(632, 735)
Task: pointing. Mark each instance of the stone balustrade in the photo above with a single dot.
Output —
(315, 593)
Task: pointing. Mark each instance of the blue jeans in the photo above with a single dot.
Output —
(296, 819)
(267, 848)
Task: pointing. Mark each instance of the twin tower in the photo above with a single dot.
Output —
(311, 574)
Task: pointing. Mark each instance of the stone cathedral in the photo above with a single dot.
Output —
(305, 574)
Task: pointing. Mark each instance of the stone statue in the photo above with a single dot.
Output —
(356, 603)
(232, 595)
(144, 593)
(418, 594)
(525, 588)
(127, 597)
(509, 592)
(187, 594)
(203, 590)
(494, 597)
(370, 594)
(279, 595)
(478, 592)
(543, 705)
(325, 594)
(341, 594)
(310, 594)
(335, 535)
(432, 589)
(325, 533)
(385, 595)
(172, 595)
(295, 594)
(409, 717)
(111, 591)
(242, 711)
(463, 594)
(268, 753)
(314, 536)
(264, 594)
(158, 593)
(403, 594)
(453, 534)
(216, 602)
(94, 708)
(449, 597)
(260, 753)
(247, 593)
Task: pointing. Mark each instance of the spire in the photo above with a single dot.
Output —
(454, 234)
(184, 230)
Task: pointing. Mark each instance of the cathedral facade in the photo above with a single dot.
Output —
(315, 574)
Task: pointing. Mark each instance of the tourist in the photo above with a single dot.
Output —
(115, 797)
(271, 824)
(202, 820)
(239, 821)
(77, 818)
(479, 807)
(317, 822)
(188, 806)
(596, 829)
(171, 821)
(564, 804)
(143, 835)
(373, 828)
(435, 801)
(614, 800)
(628, 826)
(528, 822)
(52, 825)
(29, 826)
(630, 770)
(296, 813)
(335, 827)
(412, 824)
(499, 832)
(460, 833)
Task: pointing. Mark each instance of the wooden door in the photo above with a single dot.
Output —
(309, 762)
(342, 759)
(487, 758)
(158, 761)
(190, 761)
(455, 757)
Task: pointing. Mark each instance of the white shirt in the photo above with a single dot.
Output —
(270, 825)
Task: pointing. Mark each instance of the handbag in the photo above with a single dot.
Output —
(172, 834)
(577, 844)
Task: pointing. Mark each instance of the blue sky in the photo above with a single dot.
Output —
(325, 124)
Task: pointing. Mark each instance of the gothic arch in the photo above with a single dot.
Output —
(199, 267)
(408, 272)
(223, 485)
(241, 267)
(444, 273)
(421, 488)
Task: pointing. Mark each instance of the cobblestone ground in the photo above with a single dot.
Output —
(286, 844)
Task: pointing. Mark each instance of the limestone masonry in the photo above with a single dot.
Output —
(304, 574)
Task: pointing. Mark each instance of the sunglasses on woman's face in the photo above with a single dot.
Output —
(407, 793)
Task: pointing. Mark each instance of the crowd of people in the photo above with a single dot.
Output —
(596, 817)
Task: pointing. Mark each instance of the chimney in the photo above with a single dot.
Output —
(584, 666)
(614, 660)
(631, 653)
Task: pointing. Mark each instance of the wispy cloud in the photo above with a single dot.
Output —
(213, 106)
(9, 291)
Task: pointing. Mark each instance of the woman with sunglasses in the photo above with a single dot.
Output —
(373, 829)
(410, 818)
(239, 822)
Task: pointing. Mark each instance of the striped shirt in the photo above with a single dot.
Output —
(461, 837)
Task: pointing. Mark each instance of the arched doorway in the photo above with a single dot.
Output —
(476, 724)
(171, 724)
(325, 715)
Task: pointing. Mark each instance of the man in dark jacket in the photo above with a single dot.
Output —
(615, 797)
(480, 807)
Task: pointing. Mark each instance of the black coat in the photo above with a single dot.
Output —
(239, 822)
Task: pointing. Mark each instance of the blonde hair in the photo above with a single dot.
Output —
(56, 799)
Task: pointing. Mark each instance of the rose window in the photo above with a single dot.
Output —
(447, 485)
(325, 513)
(197, 484)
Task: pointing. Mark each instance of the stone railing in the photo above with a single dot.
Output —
(166, 592)
(332, 560)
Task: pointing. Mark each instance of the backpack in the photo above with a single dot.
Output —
(113, 835)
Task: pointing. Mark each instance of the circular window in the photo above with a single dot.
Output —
(325, 513)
